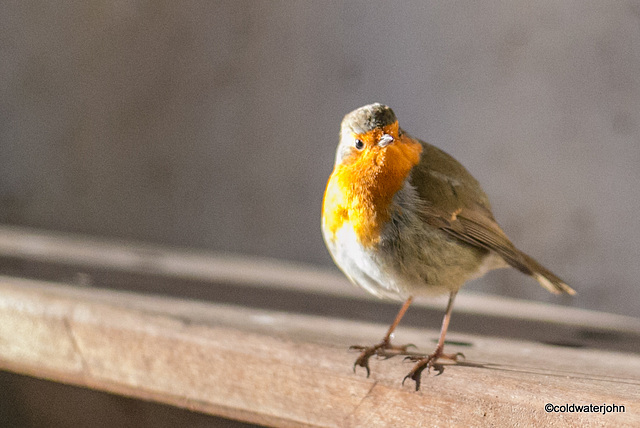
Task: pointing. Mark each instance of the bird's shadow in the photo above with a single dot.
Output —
(439, 368)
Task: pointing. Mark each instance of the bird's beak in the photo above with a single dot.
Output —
(385, 140)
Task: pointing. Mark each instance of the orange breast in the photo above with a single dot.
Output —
(360, 189)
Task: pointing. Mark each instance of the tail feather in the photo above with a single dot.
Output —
(529, 266)
(546, 278)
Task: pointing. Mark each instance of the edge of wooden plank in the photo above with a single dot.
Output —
(261, 272)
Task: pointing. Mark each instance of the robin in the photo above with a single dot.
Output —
(401, 218)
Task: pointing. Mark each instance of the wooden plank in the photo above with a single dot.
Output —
(253, 272)
(294, 370)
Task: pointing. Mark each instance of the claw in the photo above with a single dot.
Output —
(452, 357)
(414, 358)
(365, 365)
(416, 375)
(428, 362)
(378, 350)
(437, 367)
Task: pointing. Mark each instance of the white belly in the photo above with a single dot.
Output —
(362, 266)
(377, 271)
(433, 267)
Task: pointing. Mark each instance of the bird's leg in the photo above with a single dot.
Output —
(431, 360)
(383, 348)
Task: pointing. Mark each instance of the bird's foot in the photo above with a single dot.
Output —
(428, 362)
(383, 350)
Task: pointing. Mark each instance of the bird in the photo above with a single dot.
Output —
(403, 219)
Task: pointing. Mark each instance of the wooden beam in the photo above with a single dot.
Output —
(254, 272)
(286, 369)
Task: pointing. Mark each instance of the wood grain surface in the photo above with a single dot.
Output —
(283, 369)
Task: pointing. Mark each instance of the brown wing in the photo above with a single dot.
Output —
(455, 203)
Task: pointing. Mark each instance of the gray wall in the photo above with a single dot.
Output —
(213, 124)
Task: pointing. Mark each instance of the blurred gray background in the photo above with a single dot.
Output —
(213, 124)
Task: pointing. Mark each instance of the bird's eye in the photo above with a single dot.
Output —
(359, 145)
